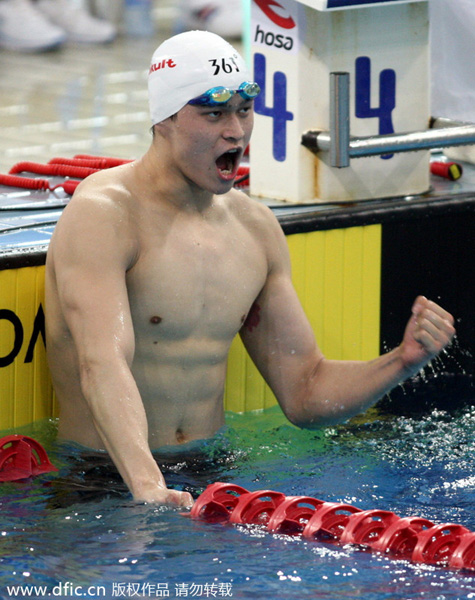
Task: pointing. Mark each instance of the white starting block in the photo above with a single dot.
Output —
(296, 45)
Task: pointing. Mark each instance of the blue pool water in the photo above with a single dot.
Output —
(95, 543)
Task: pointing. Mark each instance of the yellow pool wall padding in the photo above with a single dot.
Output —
(26, 392)
(336, 274)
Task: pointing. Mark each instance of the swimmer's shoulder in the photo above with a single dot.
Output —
(107, 186)
(105, 194)
(253, 213)
(100, 214)
(264, 227)
(245, 206)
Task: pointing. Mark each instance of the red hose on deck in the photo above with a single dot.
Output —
(56, 170)
(30, 183)
(24, 182)
(93, 162)
(79, 167)
(411, 538)
(109, 161)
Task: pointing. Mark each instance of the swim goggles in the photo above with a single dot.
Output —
(220, 95)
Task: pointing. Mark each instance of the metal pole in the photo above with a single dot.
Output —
(443, 134)
(339, 119)
(399, 142)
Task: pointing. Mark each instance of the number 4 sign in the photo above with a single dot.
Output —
(363, 109)
(278, 111)
(387, 96)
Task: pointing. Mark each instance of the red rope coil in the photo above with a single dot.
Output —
(57, 170)
(30, 183)
(93, 162)
(108, 161)
(24, 182)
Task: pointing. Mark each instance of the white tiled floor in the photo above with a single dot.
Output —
(79, 99)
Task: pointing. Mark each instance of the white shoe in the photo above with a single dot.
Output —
(23, 27)
(79, 25)
(223, 17)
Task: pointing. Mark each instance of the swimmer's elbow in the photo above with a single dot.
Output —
(304, 423)
(310, 417)
(315, 408)
(306, 405)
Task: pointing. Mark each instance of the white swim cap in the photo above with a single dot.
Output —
(188, 65)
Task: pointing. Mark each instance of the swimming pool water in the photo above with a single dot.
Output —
(95, 543)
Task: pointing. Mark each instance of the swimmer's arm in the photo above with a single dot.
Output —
(91, 254)
(311, 389)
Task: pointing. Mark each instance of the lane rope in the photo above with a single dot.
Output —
(411, 538)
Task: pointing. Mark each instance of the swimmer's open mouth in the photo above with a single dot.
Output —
(228, 163)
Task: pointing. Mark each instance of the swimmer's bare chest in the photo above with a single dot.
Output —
(190, 292)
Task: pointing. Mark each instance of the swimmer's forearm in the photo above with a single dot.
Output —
(338, 390)
(121, 422)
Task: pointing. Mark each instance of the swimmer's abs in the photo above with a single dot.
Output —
(173, 377)
(180, 436)
(183, 400)
(178, 419)
(170, 423)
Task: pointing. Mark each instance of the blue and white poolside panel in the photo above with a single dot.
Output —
(295, 46)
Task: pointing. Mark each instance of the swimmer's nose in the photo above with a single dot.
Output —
(233, 128)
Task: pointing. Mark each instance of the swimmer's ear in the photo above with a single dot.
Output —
(157, 129)
(163, 128)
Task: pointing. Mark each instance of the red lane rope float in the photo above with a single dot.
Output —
(400, 538)
(79, 167)
(291, 516)
(464, 554)
(437, 544)
(256, 507)
(410, 538)
(448, 170)
(217, 502)
(366, 527)
(22, 457)
(329, 521)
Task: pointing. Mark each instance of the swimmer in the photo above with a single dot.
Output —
(155, 266)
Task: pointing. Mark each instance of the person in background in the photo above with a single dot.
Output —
(155, 266)
(36, 26)
(223, 17)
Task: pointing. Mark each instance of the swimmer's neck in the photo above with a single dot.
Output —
(168, 184)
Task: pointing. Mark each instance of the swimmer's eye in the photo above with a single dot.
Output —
(246, 109)
(216, 113)
(213, 113)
